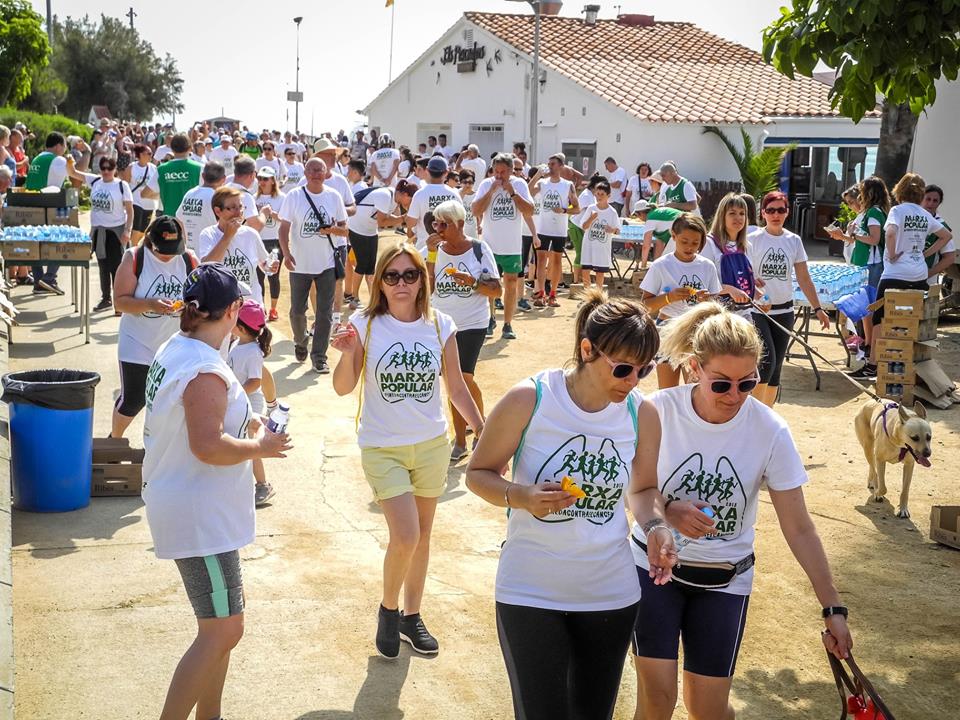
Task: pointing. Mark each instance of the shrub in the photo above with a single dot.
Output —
(42, 125)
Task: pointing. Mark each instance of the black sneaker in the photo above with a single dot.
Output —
(388, 635)
(413, 631)
(300, 352)
(321, 368)
(498, 304)
(491, 326)
(523, 305)
(867, 372)
(104, 304)
(50, 286)
(508, 333)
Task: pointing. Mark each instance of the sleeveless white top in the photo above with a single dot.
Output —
(142, 334)
(578, 559)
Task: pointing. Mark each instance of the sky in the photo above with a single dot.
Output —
(243, 62)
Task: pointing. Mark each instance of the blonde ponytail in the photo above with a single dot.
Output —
(707, 331)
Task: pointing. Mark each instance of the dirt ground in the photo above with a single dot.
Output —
(100, 623)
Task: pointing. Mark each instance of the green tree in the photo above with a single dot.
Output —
(23, 49)
(895, 49)
(107, 63)
(759, 171)
(47, 91)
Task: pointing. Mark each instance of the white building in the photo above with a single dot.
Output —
(631, 88)
(935, 153)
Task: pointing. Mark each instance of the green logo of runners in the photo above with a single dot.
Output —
(403, 374)
(721, 488)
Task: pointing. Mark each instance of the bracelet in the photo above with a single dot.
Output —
(431, 256)
(817, 309)
(650, 525)
(667, 503)
(835, 610)
(506, 495)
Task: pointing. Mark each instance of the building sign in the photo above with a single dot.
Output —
(465, 57)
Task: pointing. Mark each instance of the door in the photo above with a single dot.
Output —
(581, 156)
(489, 138)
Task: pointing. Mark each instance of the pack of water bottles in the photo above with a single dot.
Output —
(832, 281)
(60, 234)
(631, 233)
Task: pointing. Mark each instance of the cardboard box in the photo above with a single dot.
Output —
(16, 216)
(18, 252)
(900, 392)
(945, 525)
(916, 329)
(63, 216)
(896, 371)
(911, 304)
(902, 350)
(65, 251)
(117, 468)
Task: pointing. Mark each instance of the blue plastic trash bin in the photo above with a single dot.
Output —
(51, 438)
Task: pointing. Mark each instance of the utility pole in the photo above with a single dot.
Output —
(296, 103)
(535, 88)
(50, 22)
(131, 14)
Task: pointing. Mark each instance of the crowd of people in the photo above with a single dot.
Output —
(406, 258)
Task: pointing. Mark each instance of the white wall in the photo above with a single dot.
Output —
(936, 152)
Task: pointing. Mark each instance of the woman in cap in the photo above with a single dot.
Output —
(200, 437)
(148, 286)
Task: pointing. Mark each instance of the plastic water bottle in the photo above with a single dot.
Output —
(680, 540)
(279, 419)
(271, 259)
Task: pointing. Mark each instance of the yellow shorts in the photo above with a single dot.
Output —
(420, 469)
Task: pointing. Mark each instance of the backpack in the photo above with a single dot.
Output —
(138, 261)
(122, 183)
(735, 269)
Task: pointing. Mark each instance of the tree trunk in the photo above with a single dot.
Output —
(896, 140)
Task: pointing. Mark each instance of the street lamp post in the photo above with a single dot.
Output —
(296, 103)
(535, 84)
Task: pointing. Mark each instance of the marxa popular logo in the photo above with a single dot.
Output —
(694, 282)
(915, 222)
(502, 207)
(102, 200)
(446, 286)
(598, 470)
(721, 488)
(403, 374)
(166, 288)
(773, 264)
(552, 200)
(192, 207)
(239, 264)
(314, 224)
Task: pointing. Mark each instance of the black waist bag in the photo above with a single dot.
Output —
(706, 575)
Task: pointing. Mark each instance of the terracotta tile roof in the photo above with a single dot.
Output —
(665, 72)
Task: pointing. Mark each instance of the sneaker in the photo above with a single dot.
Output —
(523, 305)
(491, 326)
(508, 333)
(867, 372)
(538, 301)
(388, 633)
(50, 286)
(25, 280)
(530, 284)
(263, 493)
(562, 286)
(355, 303)
(553, 302)
(321, 368)
(274, 315)
(413, 631)
(300, 352)
(459, 452)
(498, 304)
(104, 304)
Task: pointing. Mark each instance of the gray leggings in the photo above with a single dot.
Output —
(299, 299)
(214, 584)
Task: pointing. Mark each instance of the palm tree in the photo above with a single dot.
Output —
(759, 171)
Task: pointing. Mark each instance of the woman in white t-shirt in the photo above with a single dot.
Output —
(145, 187)
(199, 438)
(726, 247)
(396, 349)
(638, 187)
(471, 224)
(269, 196)
(111, 222)
(566, 590)
(717, 447)
(292, 169)
(463, 276)
(270, 160)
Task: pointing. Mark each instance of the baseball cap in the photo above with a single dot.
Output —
(250, 136)
(266, 172)
(437, 164)
(208, 141)
(166, 236)
(642, 206)
(211, 287)
(251, 315)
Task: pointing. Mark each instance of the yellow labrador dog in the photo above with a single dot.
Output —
(890, 433)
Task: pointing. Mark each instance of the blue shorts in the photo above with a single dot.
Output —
(874, 272)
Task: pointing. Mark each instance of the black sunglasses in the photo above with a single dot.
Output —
(775, 210)
(722, 387)
(409, 276)
(624, 370)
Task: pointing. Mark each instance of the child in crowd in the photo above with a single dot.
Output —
(600, 224)
(252, 345)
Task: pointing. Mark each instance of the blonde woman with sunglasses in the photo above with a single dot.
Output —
(395, 349)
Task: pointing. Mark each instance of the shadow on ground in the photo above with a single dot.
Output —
(379, 696)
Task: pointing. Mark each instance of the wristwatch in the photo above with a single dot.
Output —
(835, 610)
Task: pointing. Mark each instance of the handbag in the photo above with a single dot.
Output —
(339, 254)
(859, 699)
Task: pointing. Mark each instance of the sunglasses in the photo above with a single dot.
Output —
(722, 387)
(409, 276)
(775, 210)
(290, 153)
(621, 371)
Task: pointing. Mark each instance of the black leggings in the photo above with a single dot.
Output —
(775, 343)
(564, 665)
(133, 388)
(274, 279)
(109, 265)
(892, 284)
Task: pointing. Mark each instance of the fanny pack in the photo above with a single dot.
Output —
(706, 575)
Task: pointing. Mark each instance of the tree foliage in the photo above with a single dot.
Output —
(107, 63)
(41, 125)
(759, 171)
(23, 49)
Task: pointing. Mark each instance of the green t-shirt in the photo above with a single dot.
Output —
(660, 220)
(176, 178)
(253, 151)
(676, 194)
(931, 239)
(861, 250)
(39, 171)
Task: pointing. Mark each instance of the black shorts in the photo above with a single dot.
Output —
(552, 243)
(709, 622)
(469, 344)
(141, 218)
(595, 268)
(365, 251)
(526, 254)
(133, 388)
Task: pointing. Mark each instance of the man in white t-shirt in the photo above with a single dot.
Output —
(310, 218)
(384, 164)
(427, 198)
(225, 154)
(164, 151)
(443, 147)
(470, 160)
(330, 152)
(502, 201)
(245, 180)
(932, 199)
(677, 192)
(196, 209)
(617, 177)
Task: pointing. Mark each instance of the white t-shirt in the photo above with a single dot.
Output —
(469, 309)
(162, 152)
(243, 256)
(724, 465)
(618, 175)
(247, 198)
(277, 165)
(577, 559)
(913, 224)
(403, 170)
(271, 228)
(447, 150)
(193, 509)
(470, 222)
(478, 165)
(638, 188)
(106, 201)
(384, 159)
(948, 248)
(772, 258)
(309, 246)
(196, 213)
(364, 221)
(224, 156)
(584, 200)
(143, 178)
(502, 221)
(293, 174)
(401, 392)
(667, 271)
(553, 195)
(425, 200)
(246, 361)
(597, 247)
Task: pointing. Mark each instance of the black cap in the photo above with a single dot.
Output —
(166, 236)
(211, 287)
